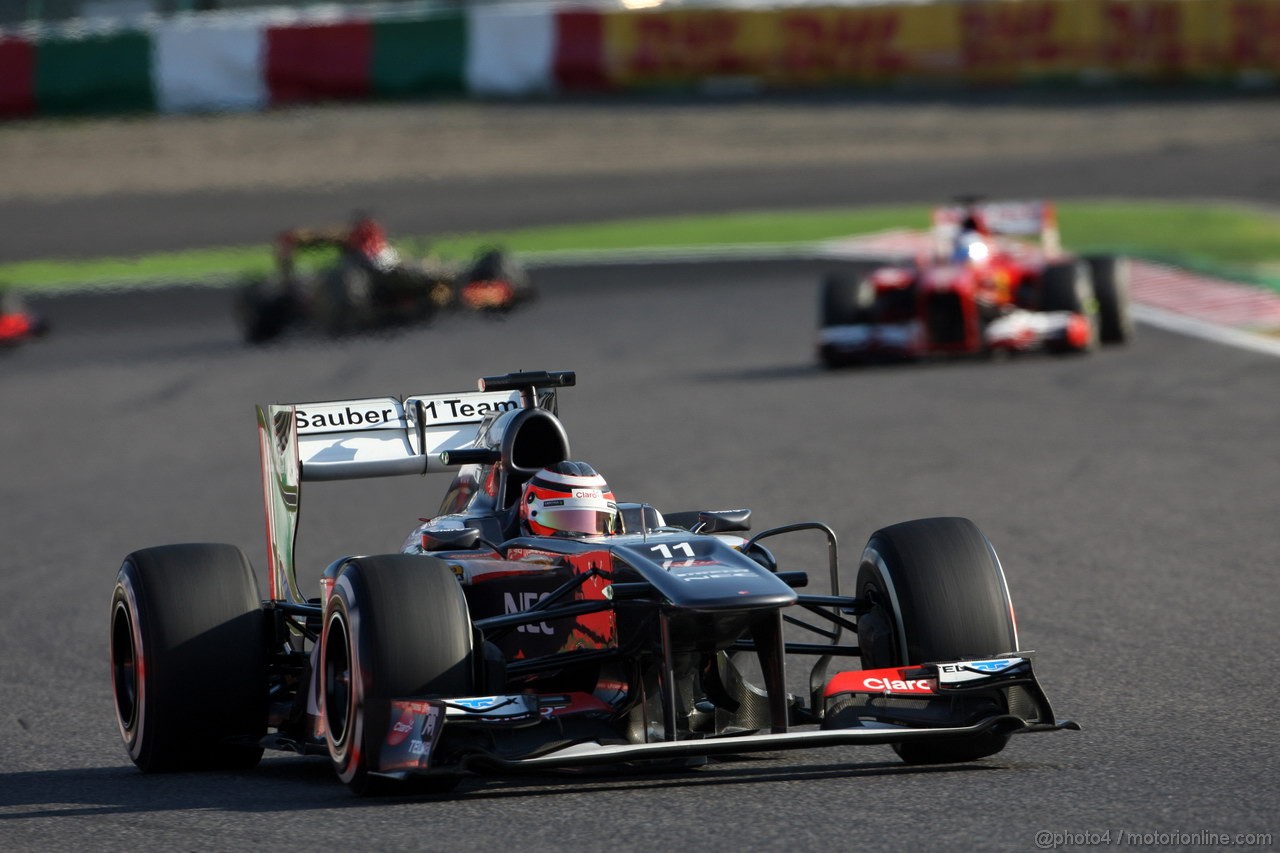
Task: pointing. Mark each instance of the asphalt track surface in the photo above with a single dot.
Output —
(122, 225)
(1131, 495)
(86, 189)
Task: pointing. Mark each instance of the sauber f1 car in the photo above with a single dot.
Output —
(17, 324)
(979, 288)
(370, 286)
(483, 646)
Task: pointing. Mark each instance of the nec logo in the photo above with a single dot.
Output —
(525, 600)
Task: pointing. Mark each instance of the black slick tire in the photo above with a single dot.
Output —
(1110, 276)
(1065, 286)
(846, 301)
(188, 655)
(264, 309)
(498, 265)
(1060, 289)
(937, 593)
(346, 298)
(396, 626)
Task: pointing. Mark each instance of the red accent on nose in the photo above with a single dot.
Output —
(1078, 332)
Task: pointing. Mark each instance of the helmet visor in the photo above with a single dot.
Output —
(591, 522)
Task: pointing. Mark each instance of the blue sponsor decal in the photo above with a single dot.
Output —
(991, 665)
(482, 703)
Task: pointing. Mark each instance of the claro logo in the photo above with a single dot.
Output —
(895, 685)
(401, 730)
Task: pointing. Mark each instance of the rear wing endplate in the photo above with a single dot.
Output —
(357, 439)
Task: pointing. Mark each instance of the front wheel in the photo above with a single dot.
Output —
(1066, 286)
(395, 627)
(188, 655)
(937, 593)
(264, 309)
(846, 301)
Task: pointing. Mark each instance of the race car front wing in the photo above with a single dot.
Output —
(422, 723)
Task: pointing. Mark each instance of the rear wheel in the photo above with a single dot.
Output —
(396, 627)
(937, 593)
(189, 658)
(495, 282)
(1111, 290)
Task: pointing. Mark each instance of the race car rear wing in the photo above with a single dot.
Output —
(369, 437)
(1036, 219)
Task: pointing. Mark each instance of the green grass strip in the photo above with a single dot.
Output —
(1234, 242)
(1230, 240)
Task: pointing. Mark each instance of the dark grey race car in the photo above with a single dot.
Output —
(478, 647)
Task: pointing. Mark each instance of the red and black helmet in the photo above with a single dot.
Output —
(568, 499)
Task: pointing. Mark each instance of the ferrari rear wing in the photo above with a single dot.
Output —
(369, 437)
(1036, 219)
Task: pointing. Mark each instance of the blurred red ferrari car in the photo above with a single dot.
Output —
(981, 287)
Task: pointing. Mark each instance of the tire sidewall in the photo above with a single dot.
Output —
(897, 631)
(874, 579)
(385, 609)
(1110, 280)
(124, 604)
(197, 637)
(877, 570)
(347, 752)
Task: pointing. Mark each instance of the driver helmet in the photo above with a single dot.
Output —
(367, 238)
(568, 499)
(970, 246)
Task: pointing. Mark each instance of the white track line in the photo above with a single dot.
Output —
(1185, 325)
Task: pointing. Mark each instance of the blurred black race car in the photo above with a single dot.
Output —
(538, 622)
(18, 324)
(370, 286)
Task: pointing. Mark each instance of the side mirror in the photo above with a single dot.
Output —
(454, 539)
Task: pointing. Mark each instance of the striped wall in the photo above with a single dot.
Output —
(230, 62)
